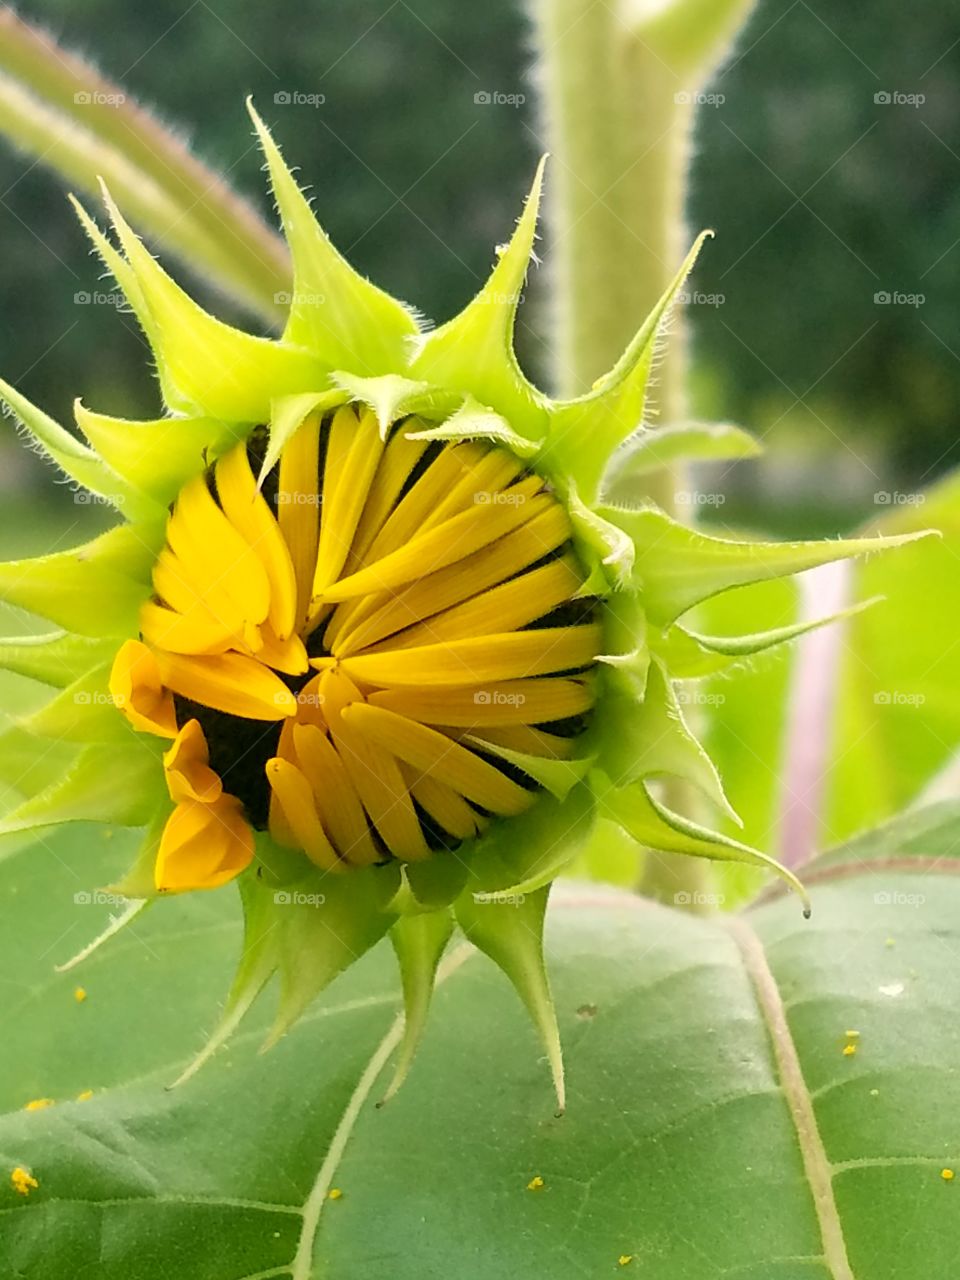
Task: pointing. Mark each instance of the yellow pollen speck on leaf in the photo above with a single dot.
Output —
(849, 1050)
(22, 1181)
(535, 1184)
(85, 1096)
(625, 1259)
(852, 1035)
(80, 995)
(334, 1193)
(947, 1175)
(38, 1104)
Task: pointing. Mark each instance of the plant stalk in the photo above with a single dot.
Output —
(619, 88)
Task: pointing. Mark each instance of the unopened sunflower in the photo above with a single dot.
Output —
(371, 638)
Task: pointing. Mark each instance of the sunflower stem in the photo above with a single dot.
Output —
(618, 90)
(60, 109)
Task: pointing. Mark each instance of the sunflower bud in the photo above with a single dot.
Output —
(372, 641)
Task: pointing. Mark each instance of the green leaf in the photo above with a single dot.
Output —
(714, 1125)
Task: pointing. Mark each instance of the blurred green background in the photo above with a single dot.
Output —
(828, 161)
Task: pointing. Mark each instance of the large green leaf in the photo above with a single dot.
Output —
(715, 1128)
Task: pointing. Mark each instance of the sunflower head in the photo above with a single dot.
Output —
(372, 638)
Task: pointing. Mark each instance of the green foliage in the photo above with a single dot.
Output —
(710, 1100)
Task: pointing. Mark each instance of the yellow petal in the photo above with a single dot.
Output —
(203, 845)
(229, 682)
(443, 545)
(477, 661)
(138, 690)
(449, 810)
(335, 795)
(396, 463)
(435, 754)
(506, 607)
(298, 506)
(250, 515)
(219, 556)
(359, 623)
(196, 632)
(503, 703)
(375, 774)
(353, 452)
(289, 656)
(187, 767)
(295, 796)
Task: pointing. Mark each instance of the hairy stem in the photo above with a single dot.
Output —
(62, 110)
(618, 88)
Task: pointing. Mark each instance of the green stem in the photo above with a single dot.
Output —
(618, 94)
(61, 109)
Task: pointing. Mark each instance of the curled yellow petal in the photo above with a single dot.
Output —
(137, 687)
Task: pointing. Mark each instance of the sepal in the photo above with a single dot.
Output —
(419, 942)
(344, 319)
(473, 353)
(586, 432)
(677, 567)
(509, 929)
(651, 824)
